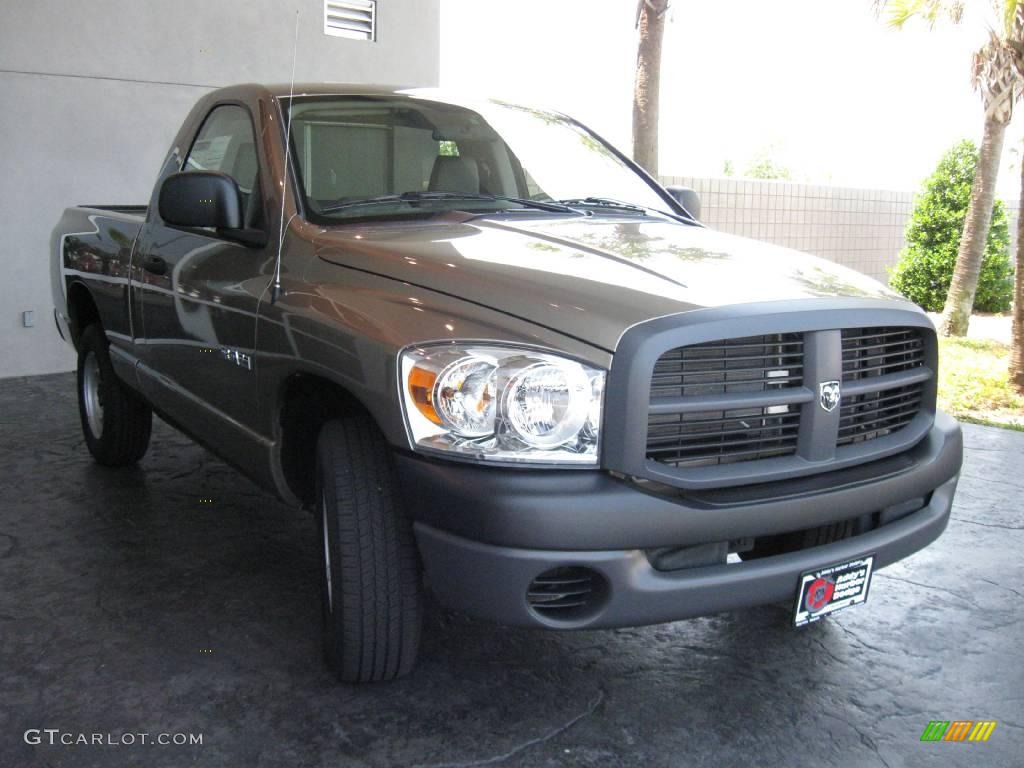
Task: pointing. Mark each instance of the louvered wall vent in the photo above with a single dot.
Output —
(354, 19)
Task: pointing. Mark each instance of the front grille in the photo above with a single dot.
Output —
(865, 417)
(726, 435)
(746, 399)
(876, 352)
(752, 364)
(871, 352)
(722, 437)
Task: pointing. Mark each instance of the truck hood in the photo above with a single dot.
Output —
(590, 278)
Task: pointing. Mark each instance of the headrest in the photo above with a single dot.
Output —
(245, 165)
(455, 174)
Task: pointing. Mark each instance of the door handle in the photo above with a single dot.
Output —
(154, 264)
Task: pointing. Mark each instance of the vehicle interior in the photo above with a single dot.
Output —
(361, 149)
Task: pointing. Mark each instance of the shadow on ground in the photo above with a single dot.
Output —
(131, 604)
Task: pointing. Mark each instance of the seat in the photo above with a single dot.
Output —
(245, 166)
(455, 174)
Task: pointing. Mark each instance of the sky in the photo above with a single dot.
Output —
(822, 87)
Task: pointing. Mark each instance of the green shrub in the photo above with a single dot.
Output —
(925, 268)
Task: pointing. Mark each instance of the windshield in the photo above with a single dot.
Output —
(363, 157)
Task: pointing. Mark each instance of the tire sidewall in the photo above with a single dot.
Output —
(93, 341)
(371, 627)
(324, 506)
(127, 418)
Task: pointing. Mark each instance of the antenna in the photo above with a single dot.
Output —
(275, 290)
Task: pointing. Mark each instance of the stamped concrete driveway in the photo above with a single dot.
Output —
(129, 605)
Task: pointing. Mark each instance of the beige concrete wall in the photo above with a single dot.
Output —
(859, 228)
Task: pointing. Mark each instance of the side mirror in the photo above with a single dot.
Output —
(688, 198)
(201, 199)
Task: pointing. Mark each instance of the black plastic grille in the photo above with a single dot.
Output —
(722, 437)
(871, 352)
(874, 352)
(739, 400)
(866, 417)
(745, 365)
(752, 364)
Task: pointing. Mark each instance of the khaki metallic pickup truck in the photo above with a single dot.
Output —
(493, 356)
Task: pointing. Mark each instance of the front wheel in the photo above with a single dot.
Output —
(370, 581)
(115, 420)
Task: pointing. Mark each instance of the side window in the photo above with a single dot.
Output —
(226, 143)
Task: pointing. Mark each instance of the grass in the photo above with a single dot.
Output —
(974, 383)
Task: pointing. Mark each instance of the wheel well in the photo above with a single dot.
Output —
(307, 402)
(82, 311)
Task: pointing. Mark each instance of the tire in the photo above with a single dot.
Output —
(370, 571)
(116, 422)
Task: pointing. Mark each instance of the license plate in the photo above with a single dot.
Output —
(827, 590)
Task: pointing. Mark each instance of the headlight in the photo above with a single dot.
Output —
(502, 403)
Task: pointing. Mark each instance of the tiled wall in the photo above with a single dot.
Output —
(860, 228)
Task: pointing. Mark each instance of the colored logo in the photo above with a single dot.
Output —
(829, 395)
(819, 593)
(958, 730)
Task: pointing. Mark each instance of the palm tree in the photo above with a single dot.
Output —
(1017, 348)
(650, 20)
(997, 75)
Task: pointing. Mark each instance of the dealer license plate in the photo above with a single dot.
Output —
(827, 590)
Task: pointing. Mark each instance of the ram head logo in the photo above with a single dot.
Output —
(829, 395)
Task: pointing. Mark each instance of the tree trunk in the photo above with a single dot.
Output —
(651, 22)
(1017, 350)
(956, 315)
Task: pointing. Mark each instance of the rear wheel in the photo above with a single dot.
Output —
(370, 567)
(115, 420)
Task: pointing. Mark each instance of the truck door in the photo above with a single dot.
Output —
(199, 293)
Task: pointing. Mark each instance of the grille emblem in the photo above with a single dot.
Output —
(829, 395)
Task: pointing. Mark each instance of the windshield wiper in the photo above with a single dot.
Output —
(425, 197)
(607, 202)
(542, 205)
(604, 202)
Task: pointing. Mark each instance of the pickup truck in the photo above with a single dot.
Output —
(498, 360)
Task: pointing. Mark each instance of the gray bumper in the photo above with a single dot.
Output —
(491, 582)
(485, 534)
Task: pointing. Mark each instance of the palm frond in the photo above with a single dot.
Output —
(1011, 17)
(898, 12)
(1009, 8)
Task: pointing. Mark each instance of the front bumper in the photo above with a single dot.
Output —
(485, 533)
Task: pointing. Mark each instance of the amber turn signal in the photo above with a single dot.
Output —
(421, 387)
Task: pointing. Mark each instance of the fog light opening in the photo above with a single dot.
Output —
(568, 594)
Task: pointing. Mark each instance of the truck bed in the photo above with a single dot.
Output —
(92, 245)
(137, 210)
